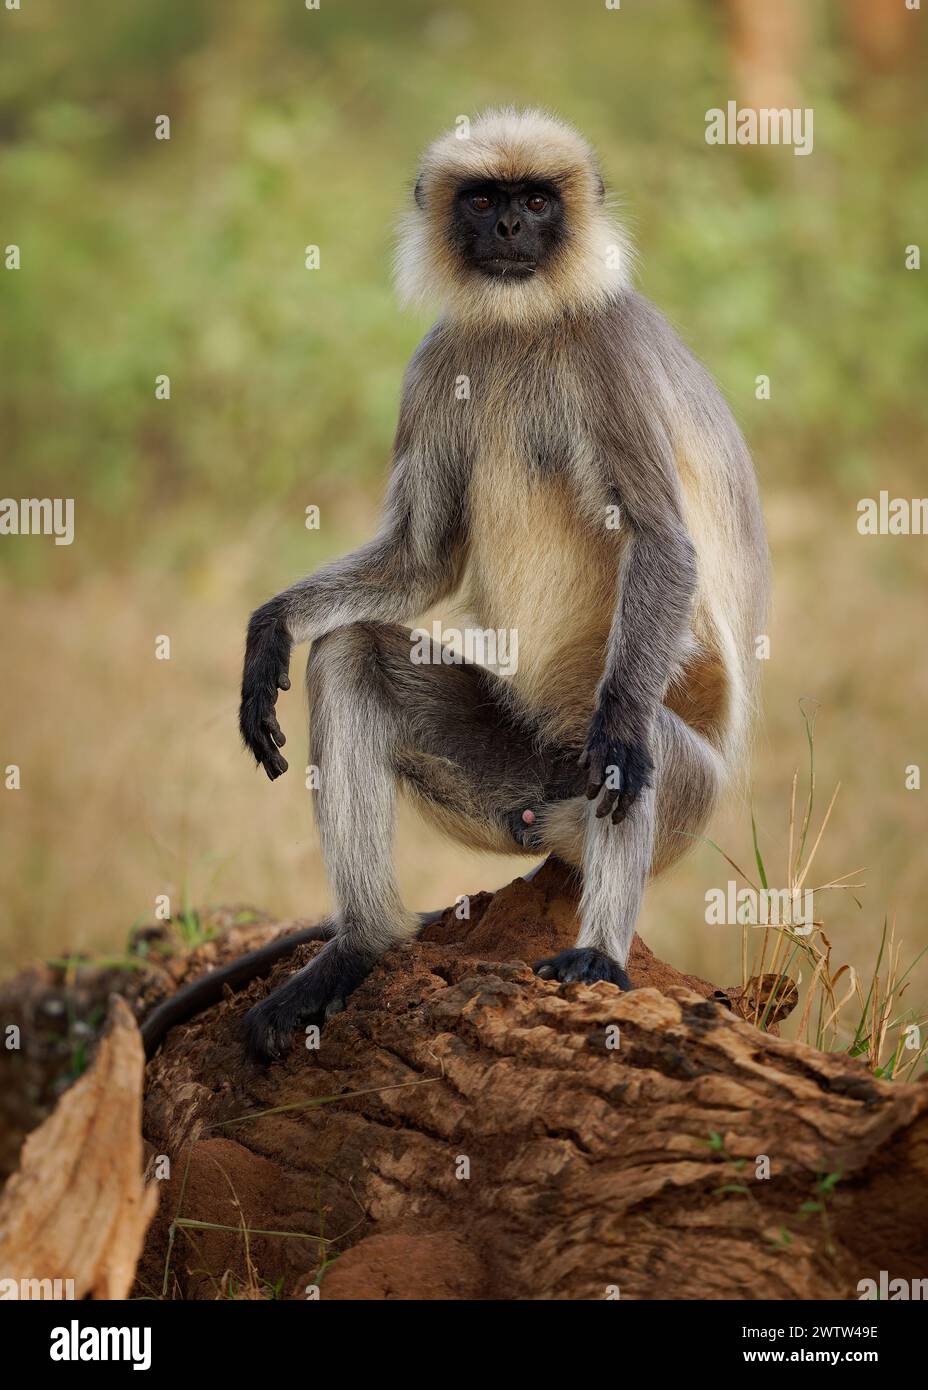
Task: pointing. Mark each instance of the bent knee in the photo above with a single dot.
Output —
(353, 652)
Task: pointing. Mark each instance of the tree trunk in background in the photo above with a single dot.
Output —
(767, 44)
(882, 32)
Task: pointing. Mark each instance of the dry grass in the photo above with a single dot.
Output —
(795, 951)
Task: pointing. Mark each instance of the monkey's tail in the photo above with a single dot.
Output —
(207, 990)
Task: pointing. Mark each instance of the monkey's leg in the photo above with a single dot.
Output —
(352, 730)
(617, 859)
(376, 717)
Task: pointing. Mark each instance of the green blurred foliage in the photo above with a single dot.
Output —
(292, 126)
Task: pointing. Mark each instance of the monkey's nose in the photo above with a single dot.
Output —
(508, 229)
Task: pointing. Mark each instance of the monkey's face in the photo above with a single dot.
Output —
(507, 229)
(510, 225)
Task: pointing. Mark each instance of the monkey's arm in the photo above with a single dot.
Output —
(413, 561)
(657, 580)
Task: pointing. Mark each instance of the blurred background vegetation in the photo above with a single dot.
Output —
(292, 126)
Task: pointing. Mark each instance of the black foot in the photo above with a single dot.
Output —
(582, 965)
(313, 994)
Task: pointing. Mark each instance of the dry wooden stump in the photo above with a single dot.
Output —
(466, 1130)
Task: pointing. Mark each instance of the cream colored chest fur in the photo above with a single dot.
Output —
(538, 568)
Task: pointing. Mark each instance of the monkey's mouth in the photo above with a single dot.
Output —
(516, 267)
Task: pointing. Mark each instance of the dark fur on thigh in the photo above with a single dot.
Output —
(470, 757)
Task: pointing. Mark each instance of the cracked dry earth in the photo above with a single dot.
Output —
(480, 1135)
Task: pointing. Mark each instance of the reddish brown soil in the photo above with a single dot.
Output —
(466, 1130)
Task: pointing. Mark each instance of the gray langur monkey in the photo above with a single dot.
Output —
(590, 491)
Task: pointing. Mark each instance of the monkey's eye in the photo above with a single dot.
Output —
(536, 203)
(481, 203)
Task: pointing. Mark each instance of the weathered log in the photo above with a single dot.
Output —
(466, 1130)
(75, 1213)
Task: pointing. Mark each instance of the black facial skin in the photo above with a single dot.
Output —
(507, 229)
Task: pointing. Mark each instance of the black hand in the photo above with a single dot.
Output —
(267, 661)
(622, 761)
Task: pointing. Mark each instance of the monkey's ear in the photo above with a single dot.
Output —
(419, 194)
